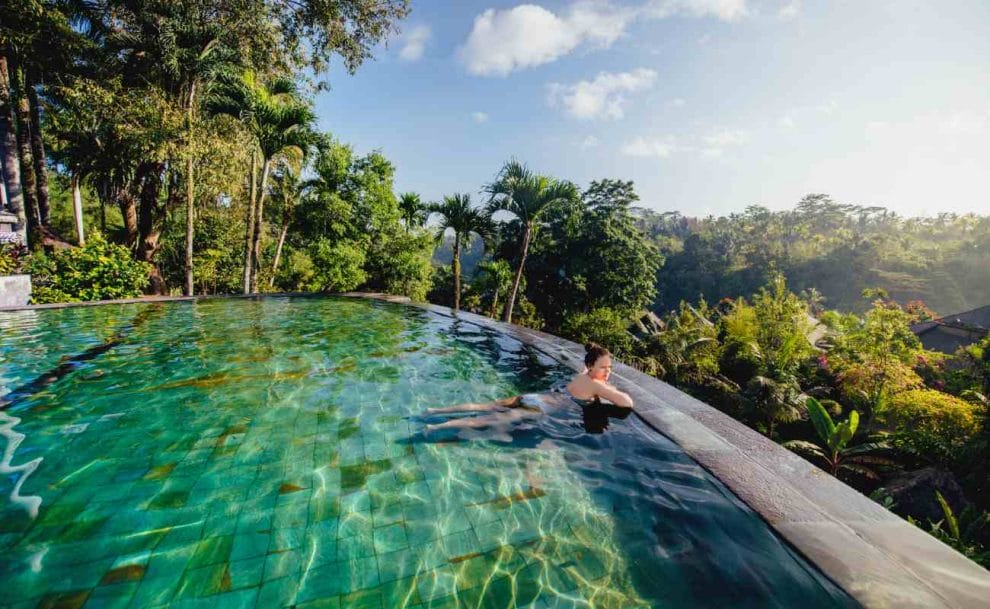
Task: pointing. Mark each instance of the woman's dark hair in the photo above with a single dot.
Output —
(592, 351)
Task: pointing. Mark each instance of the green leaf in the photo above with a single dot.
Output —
(950, 518)
(820, 419)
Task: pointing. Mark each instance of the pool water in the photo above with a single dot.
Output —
(269, 453)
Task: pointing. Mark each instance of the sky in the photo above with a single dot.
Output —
(709, 106)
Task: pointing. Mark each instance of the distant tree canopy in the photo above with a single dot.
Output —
(838, 249)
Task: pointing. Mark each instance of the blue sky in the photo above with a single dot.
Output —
(708, 105)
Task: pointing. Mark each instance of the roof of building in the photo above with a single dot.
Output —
(948, 333)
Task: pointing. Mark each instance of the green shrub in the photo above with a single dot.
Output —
(13, 258)
(97, 271)
(933, 425)
(604, 326)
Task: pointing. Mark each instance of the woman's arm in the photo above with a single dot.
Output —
(610, 393)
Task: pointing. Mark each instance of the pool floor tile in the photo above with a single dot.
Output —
(212, 550)
(390, 538)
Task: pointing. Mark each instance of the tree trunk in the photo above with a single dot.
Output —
(511, 301)
(77, 210)
(8, 150)
(190, 191)
(38, 151)
(259, 222)
(494, 312)
(150, 217)
(250, 223)
(456, 271)
(286, 218)
(28, 178)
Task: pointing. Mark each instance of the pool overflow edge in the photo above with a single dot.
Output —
(876, 557)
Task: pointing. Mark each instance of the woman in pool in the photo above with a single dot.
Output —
(591, 384)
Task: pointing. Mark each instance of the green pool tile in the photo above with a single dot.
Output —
(358, 574)
(238, 599)
(83, 529)
(203, 581)
(72, 599)
(323, 507)
(460, 544)
(356, 546)
(398, 565)
(329, 602)
(212, 550)
(421, 531)
(320, 584)
(169, 499)
(253, 521)
(354, 524)
(364, 599)
(246, 573)
(455, 521)
(476, 571)
(324, 529)
(400, 593)
(287, 539)
(355, 501)
(390, 538)
(278, 592)
(281, 564)
(436, 583)
(388, 512)
(431, 554)
(291, 515)
(112, 597)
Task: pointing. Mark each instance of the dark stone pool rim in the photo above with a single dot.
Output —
(875, 556)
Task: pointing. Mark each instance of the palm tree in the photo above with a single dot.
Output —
(412, 209)
(280, 124)
(496, 276)
(457, 214)
(832, 451)
(527, 196)
(286, 190)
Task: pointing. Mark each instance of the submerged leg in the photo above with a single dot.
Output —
(488, 420)
(496, 406)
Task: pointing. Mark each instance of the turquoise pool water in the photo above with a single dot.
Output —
(267, 453)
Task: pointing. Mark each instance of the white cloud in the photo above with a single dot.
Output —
(676, 103)
(786, 122)
(589, 142)
(601, 98)
(649, 147)
(502, 41)
(479, 117)
(716, 143)
(726, 138)
(725, 10)
(789, 11)
(828, 107)
(414, 43)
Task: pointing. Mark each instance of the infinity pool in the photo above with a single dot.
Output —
(242, 453)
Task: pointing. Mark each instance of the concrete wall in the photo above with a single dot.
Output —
(15, 290)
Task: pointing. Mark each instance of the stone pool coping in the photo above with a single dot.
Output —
(876, 557)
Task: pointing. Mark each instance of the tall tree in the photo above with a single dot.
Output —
(457, 214)
(413, 211)
(528, 196)
(8, 148)
(287, 189)
(280, 123)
